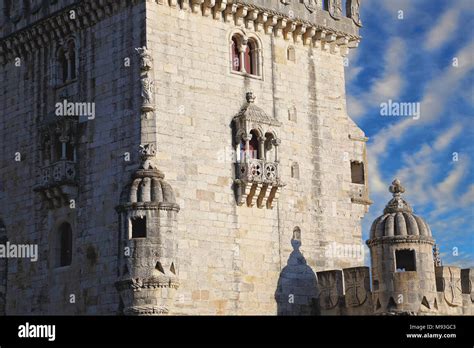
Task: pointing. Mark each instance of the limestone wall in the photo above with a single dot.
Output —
(28, 100)
(232, 256)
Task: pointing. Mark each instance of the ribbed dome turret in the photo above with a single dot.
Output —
(398, 218)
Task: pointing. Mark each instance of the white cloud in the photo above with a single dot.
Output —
(443, 30)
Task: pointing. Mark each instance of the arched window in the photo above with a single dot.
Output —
(65, 244)
(236, 60)
(254, 145)
(269, 148)
(63, 66)
(251, 58)
(71, 50)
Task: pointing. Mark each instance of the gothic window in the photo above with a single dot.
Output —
(71, 50)
(66, 62)
(250, 57)
(405, 260)
(357, 172)
(139, 227)
(63, 66)
(254, 145)
(65, 244)
(269, 148)
(245, 55)
(236, 62)
(291, 54)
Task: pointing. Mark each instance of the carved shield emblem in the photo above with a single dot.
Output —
(16, 10)
(452, 289)
(357, 286)
(335, 8)
(330, 288)
(311, 5)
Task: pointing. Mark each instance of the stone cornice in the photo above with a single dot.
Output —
(400, 239)
(58, 26)
(251, 16)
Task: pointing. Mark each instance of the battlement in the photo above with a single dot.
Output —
(349, 292)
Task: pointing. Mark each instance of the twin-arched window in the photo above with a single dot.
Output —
(66, 62)
(245, 55)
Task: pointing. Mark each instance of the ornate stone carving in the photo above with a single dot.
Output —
(335, 8)
(147, 152)
(353, 11)
(357, 282)
(311, 5)
(330, 287)
(146, 59)
(452, 287)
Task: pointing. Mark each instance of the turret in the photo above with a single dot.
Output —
(403, 272)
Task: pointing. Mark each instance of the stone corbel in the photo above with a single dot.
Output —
(251, 18)
(308, 35)
(220, 6)
(327, 41)
(174, 3)
(318, 38)
(207, 7)
(270, 24)
(260, 21)
(299, 32)
(288, 30)
(240, 14)
(229, 12)
(278, 29)
(196, 5)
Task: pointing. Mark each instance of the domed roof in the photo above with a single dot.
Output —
(252, 112)
(148, 187)
(398, 219)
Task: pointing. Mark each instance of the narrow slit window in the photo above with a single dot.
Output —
(139, 227)
(65, 245)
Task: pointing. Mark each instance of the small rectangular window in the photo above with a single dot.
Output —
(139, 227)
(357, 172)
(405, 260)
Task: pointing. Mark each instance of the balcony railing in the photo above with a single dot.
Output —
(59, 172)
(58, 183)
(258, 171)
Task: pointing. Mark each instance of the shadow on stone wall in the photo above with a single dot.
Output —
(297, 285)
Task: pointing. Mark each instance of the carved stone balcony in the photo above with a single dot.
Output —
(59, 183)
(258, 182)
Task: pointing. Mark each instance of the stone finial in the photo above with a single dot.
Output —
(147, 152)
(397, 203)
(396, 188)
(250, 97)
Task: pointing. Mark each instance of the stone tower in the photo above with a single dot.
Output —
(241, 104)
(403, 269)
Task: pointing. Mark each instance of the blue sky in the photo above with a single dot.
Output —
(428, 58)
